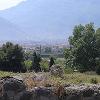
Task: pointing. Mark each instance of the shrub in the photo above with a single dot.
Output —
(51, 62)
(44, 65)
(28, 64)
(36, 59)
(60, 61)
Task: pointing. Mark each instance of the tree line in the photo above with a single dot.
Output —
(12, 58)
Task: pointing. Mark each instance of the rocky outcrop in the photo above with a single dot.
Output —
(15, 89)
(10, 87)
(56, 70)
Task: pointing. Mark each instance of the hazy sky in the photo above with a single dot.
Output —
(48, 19)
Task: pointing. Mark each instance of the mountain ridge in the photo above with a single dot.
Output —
(51, 19)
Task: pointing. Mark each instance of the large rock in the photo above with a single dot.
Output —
(56, 70)
(83, 92)
(10, 87)
(14, 89)
(25, 95)
(43, 93)
(12, 84)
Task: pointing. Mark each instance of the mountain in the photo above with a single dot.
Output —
(51, 19)
(9, 31)
(40, 19)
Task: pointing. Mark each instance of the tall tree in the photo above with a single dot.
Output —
(36, 62)
(51, 62)
(84, 46)
(11, 57)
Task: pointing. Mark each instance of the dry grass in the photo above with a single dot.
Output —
(75, 78)
(45, 79)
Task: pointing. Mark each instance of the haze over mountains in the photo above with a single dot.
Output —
(40, 20)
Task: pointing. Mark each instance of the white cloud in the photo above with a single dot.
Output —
(5, 4)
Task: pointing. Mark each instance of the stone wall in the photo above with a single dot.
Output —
(14, 89)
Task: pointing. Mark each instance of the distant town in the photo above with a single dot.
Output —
(43, 48)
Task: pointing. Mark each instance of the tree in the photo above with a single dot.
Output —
(84, 47)
(11, 57)
(51, 62)
(36, 62)
(69, 57)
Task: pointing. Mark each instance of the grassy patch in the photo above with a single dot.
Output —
(72, 78)
(4, 74)
(76, 78)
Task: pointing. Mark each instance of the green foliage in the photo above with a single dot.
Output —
(11, 57)
(51, 62)
(69, 57)
(60, 61)
(28, 64)
(36, 59)
(84, 48)
(44, 64)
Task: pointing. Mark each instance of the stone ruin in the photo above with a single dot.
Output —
(15, 89)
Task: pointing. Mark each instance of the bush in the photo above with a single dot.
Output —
(36, 59)
(51, 62)
(44, 65)
(28, 64)
(94, 81)
(60, 61)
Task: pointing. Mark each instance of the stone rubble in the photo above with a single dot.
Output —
(12, 88)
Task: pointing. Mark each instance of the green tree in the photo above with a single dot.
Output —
(69, 57)
(36, 62)
(84, 47)
(11, 57)
(74, 41)
(51, 62)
